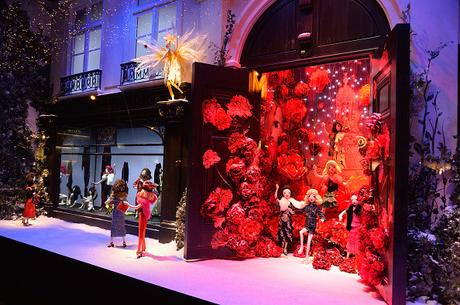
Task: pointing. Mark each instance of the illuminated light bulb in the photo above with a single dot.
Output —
(364, 69)
(327, 144)
(347, 110)
(351, 69)
(362, 115)
(300, 141)
(343, 113)
(318, 120)
(313, 159)
(336, 111)
(328, 70)
(360, 124)
(321, 67)
(323, 110)
(343, 68)
(322, 141)
(328, 115)
(311, 109)
(356, 96)
(320, 155)
(308, 124)
(92, 97)
(332, 107)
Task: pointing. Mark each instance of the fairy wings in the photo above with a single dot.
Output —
(175, 58)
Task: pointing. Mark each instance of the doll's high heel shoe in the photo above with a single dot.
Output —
(124, 244)
(139, 255)
(111, 245)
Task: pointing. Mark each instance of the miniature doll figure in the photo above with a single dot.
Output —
(108, 176)
(88, 201)
(336, 148)
(74, 195)
(285, 220)
(144, 199)
(31, 197)
(353, 225)
(145, 175)
(118, 205)
(311, 203)
(330, 182)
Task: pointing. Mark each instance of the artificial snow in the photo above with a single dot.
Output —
(284, 280)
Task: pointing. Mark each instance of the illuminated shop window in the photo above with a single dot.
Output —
(84, 155)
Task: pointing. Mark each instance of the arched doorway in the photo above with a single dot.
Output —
(291, 38)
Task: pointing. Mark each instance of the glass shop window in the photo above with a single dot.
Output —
(86, 45)
(153, 23)
(92, 160)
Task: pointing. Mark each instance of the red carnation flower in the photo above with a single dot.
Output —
(236, 142)
(301, 89)
(236, 214)
(210, 158)
(217, 202)
(247, 190)
(295, 110)
(335, 256)
(209, 109)
(235, 168)
(349, 265)
(378, 237)
(322, 261)
(292, 166)
(223, 120)
(250, 230)
(239, 106)
(318, 80)
(219, 239)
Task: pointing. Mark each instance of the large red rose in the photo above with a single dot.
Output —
(318, 80)
(217, 202)
(223, 120)
(295, 110)
(210, 158)
(236, 214)
(235, 168)
(291, 166)
(301, 89)
(239, 106)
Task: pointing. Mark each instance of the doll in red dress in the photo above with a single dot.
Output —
(31, 194)
(145, 198)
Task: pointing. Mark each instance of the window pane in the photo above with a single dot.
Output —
(95, 39)
(79, 44)
(140, 49)
(166, 18)
(80, 18)
(96, 11)
(77, 64)
(144, 24)
(141, 2)
(94, 58)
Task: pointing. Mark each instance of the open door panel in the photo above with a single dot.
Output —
(222, 83)
(390, 93)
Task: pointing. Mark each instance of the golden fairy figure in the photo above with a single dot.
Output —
(175, 58)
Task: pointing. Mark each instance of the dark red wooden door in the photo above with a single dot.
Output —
(390, 81)
(221, 83)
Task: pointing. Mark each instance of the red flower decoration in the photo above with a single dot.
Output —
(318, 80)
(266, 247)
(236, 142)
(301, 89)
(209, 109)
(247, 190)
(335, 256)
(378, 238)
(217, 202)
(223, 120)
(210, 158)
(236, 214)
(349, 265)
(235, 168)
(322, 261)
(219, 239)
(291, 166)
(295, 110)
(239, 106)
(213, 113)
(283, 90)
(250, 229)
(240, 246)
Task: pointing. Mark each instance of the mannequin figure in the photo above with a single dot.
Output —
(285, 220)
(109, 177)
(31, 197)
(353, 225)
(118, 205)
(330, 182)
(311, 204)
(144, 199)
(74, 195)
(88, 201)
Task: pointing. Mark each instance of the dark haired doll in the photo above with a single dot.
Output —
(353, 225)
(285, 221)
(119, 206)
(29, 205)
(145, 198)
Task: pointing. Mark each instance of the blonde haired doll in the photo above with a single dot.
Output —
(330, 182)
(311, 203)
